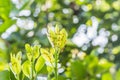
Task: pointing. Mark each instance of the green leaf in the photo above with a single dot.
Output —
(32, 51)
(43, 70)
(91, 62)
(39, 64)
(45, 54)
(89, 22)
(6, 25)
(117, 76)
(4, 75)
(104, 63)
(5, 8)
(78, 70)
(36, 51)
(26, 68)
(27, 48)
(15, 65)
(28, 51)
(49, 69)
(19, 56)
(106, 76)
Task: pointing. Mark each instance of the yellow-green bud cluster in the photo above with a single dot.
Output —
(57, 37)
(15, 64)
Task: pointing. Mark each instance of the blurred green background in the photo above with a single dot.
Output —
(92, 51)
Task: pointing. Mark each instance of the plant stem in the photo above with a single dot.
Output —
(23, 76)
(18, 77)
(56, 70)
(32, 69)
(48, 77)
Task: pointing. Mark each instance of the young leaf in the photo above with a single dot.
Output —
(15, 64)
(39, 64)
(47, 55)
(49, 69)
(36, 51)
(19, 56)
(28, 51)
(26, 68)
(52, 51)
(57, 29)
(28, 48)
(32, 52)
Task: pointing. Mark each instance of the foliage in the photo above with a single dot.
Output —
(91, 51)
(31, 66)
(35, 61)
